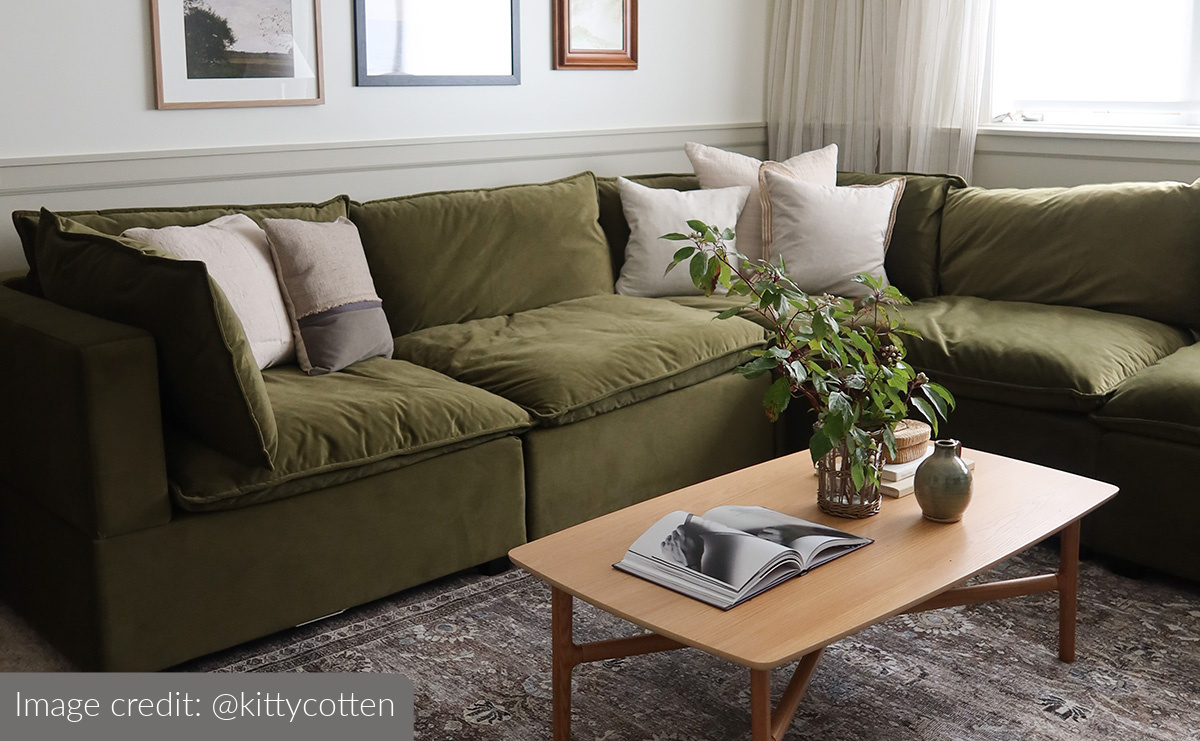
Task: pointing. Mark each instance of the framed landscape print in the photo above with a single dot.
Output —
(437, 42)
(237, 53)
(595, 34)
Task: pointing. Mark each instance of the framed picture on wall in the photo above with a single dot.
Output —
(437, 42)
(595, 34)
(237, 53)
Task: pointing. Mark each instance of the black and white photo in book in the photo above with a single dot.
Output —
(732, 553)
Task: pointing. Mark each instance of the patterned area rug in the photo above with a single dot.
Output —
(478, 651)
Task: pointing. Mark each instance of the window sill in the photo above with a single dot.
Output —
(1164, 134)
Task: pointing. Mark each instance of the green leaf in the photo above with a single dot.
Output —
(697, 225)
(725, 278)
(728, 234)
(756, 367)
(797, 372)
(942, 392)
(699, 269)
(676, 237)
(938, 402)
(729, 313)
(927, 411)
(857, 473)
(777, 398)
(889, 440)
(861, 343)
(820, 445)
(713, 276)
(684, 253)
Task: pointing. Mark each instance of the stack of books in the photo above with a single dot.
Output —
(896, 479)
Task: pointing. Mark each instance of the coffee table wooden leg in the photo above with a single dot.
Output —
(1068, 590)
(768, 725)
(562, 617)
(760, 705)
(794, 693)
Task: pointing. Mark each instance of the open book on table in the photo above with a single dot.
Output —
(732, 553)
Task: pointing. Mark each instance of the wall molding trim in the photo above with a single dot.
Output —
(1091, 146)
(89, 172)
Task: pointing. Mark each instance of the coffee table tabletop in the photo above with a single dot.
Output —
(1014, 505)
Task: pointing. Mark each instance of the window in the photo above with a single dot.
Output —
(1095, 62)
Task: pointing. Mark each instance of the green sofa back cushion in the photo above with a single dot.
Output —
(211, 385)
(912, 255)
(116, 220)
(1130, 248)
(612, 216)
(444, 258)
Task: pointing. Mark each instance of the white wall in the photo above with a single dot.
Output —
(79, 129)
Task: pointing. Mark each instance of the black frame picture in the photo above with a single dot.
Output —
(365, 79)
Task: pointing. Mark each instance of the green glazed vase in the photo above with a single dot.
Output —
(943, 483)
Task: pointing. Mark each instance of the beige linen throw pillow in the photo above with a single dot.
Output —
(235, 252)
(825, 234)
(337, 316)
(717, 168)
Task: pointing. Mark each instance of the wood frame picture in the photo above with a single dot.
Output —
(468, 45)
(586, 34)
(237, 53)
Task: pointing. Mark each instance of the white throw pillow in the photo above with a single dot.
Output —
(826, 234)
(717, 168)
(653, 212)
(238, 258)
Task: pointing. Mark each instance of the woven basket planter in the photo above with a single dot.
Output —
(836, 493)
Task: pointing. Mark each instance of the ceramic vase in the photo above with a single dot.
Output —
(943, 483)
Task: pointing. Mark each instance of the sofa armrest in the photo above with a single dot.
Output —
(80, 423)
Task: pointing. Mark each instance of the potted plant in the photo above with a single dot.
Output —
(845, 357)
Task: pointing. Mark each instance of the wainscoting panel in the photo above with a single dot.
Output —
(364, 170)
(1027, 159)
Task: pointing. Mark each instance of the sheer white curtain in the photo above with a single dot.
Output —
(896, 84)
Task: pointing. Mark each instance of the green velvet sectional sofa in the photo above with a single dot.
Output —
(524, 397)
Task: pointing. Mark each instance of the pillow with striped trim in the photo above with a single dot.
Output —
(825, 234)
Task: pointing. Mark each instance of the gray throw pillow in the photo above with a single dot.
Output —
(336, 314)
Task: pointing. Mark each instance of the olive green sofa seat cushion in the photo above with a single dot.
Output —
(372, 417)
(580, 358)
(1031, 355)
(443, 258)
(113, 221)
(1162, 401)
(1128, 248)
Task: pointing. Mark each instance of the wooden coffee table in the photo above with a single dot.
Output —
(913, 565)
